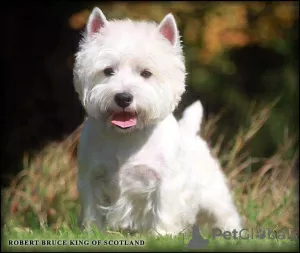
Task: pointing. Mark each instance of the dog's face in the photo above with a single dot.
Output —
(129, 74)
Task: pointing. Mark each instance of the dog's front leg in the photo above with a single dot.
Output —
(88, 214)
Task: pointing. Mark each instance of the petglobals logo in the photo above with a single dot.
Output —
(258, 233)
(199, 242)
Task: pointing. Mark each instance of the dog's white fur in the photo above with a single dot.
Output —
(159, 175)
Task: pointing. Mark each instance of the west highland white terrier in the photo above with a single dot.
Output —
(139, 168)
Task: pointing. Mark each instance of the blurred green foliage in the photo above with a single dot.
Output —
(237, 54)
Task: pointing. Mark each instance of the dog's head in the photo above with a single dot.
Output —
(129, 74)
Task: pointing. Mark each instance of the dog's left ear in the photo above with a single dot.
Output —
(96, 21)
(168, 29)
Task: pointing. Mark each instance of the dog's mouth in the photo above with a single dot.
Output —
(124, 120)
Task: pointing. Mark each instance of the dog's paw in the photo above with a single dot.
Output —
(231, 225)
(91, 226)
(158, 232)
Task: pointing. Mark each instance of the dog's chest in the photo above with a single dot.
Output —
(109, 159)
(108, 156)
(125, 168)
(146, 156)
(128, 158)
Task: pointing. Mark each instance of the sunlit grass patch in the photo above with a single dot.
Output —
(96, 241)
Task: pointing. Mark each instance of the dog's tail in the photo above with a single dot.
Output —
(192, 118)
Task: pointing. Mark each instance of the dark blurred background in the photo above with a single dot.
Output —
(236, 53)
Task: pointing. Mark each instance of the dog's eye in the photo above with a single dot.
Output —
(146, 74)
(108, 71)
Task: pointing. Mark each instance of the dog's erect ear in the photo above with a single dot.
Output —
(96, 21)
(168, 29)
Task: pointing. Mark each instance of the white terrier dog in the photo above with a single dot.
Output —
(138, 168)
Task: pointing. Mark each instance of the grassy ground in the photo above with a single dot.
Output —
(42, 201)
(94, 241)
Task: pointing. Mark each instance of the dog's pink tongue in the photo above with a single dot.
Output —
(124, 119)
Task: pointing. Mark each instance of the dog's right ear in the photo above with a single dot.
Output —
(96, 21)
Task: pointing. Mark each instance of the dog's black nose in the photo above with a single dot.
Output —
(123, 99)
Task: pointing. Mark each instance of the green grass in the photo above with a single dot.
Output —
(151, 243)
